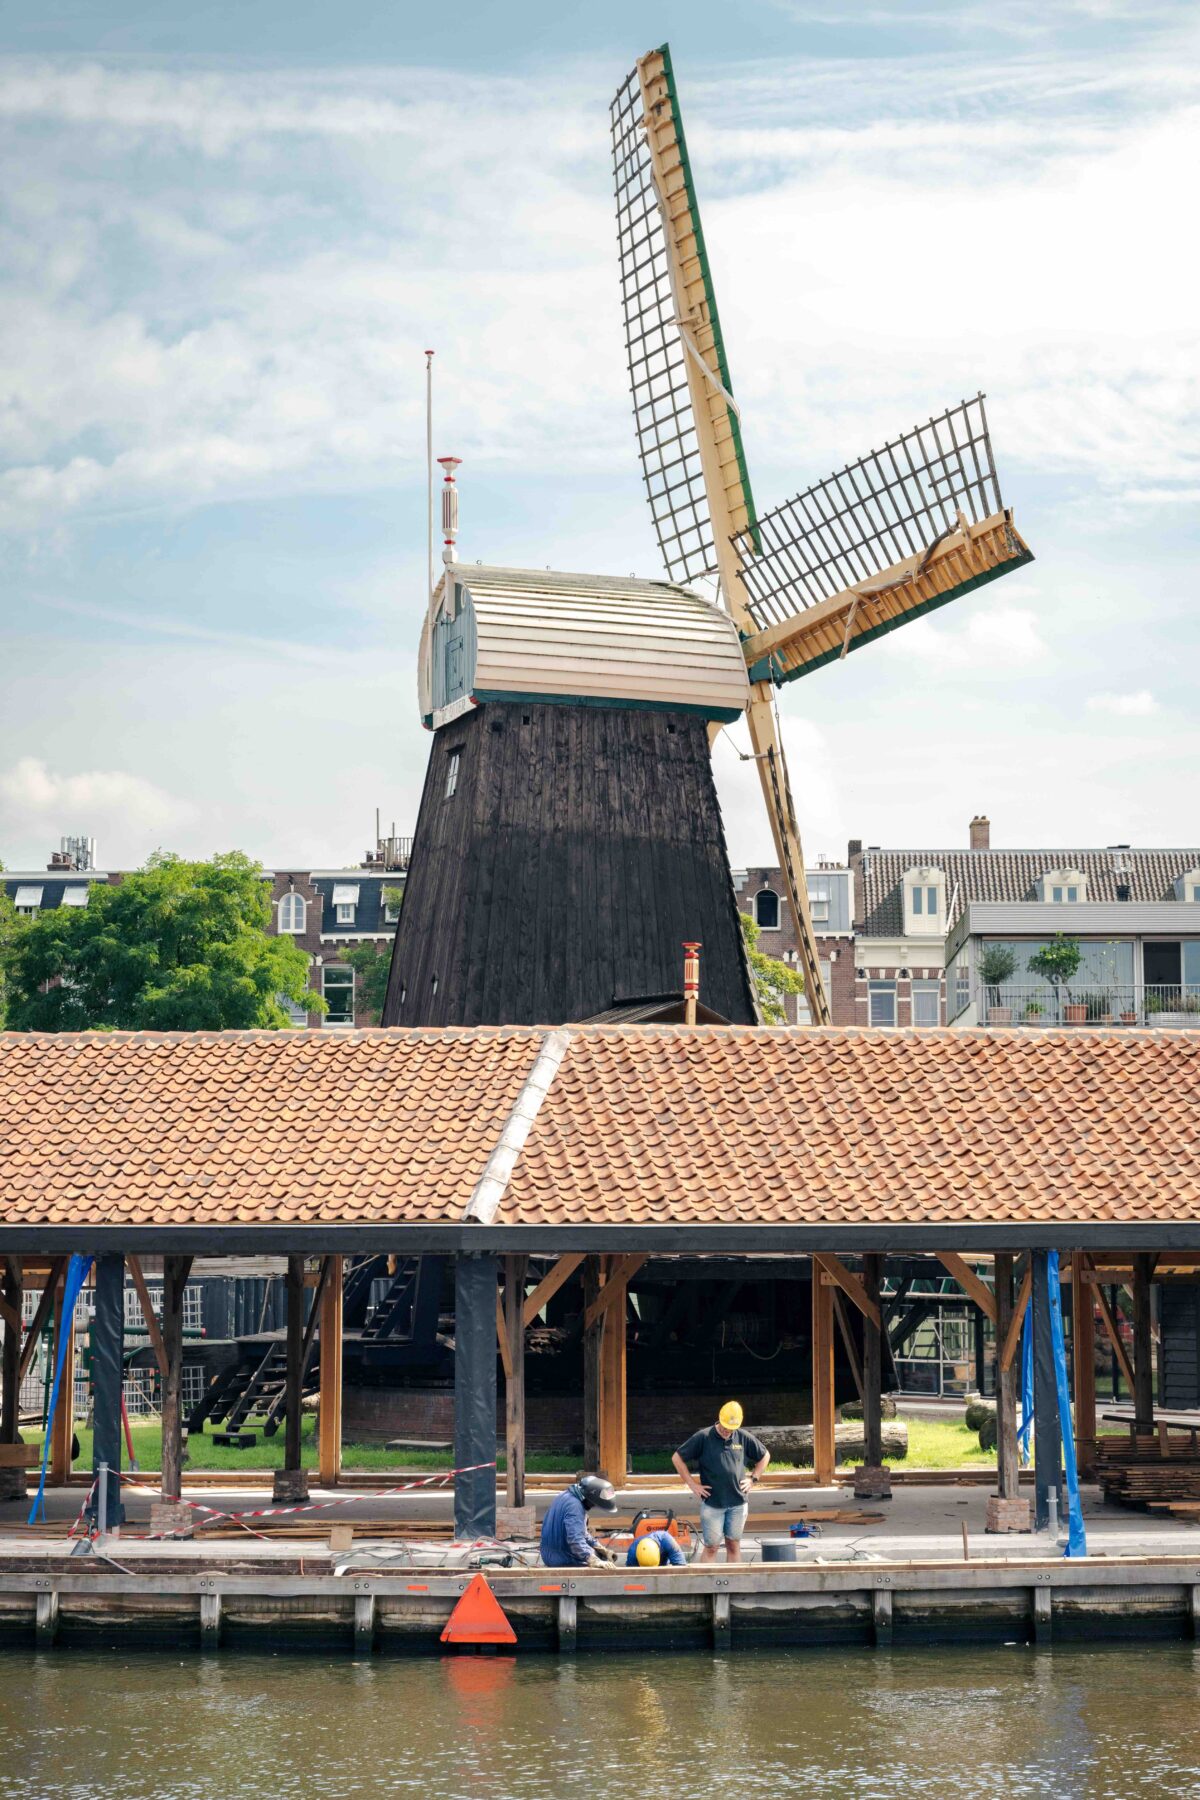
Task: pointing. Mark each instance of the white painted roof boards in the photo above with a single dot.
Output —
(604, 639)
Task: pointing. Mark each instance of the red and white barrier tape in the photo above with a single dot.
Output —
(279, 1512)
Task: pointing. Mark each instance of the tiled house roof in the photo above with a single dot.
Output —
(1002, 876)
(640, 1126)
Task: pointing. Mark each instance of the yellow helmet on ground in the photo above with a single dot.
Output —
(731, 1415)
(648, 1553)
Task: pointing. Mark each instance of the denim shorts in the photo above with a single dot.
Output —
(720, 1522)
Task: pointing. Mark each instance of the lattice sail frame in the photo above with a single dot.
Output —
(656, 347)
(903, 530)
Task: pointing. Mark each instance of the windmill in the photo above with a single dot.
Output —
(903, 530)
(569, 840)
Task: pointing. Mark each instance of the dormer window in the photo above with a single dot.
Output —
(345, 901)
(766, 910)
(818, 901)
(291, 912)
(1063, 887)
(924, 903)
(1187, 886)
(27, 900)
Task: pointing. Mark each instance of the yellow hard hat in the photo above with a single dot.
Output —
(731, 1415)
(648, 1553)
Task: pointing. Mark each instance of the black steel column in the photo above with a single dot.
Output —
(475, 1395)
(108, 1373)
(1047, 1441)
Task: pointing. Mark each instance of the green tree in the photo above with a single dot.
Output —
(178, 946)
(9, 923)
(371, 967)
(773, 980)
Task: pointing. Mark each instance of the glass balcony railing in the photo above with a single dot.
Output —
(1170, 1007)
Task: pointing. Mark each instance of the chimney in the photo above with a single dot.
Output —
(853, 849)
(691, 982)
(981, 832)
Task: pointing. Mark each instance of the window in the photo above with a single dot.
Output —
(766, 910)
(1064, 896)
(337, 985)
(925, 900)
(345, 901)
(1064, 886)
(27, 899)
(881, 996)
(391, 909)
(297, 1016)
(818, 901)
(452, 773)
(291, 912)
(1196, 894)
(931, 901)
(926, 1003)
(75, 896)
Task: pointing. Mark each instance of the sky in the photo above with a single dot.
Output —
(228, 232)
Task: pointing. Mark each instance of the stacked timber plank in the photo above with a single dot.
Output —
(1135, 1471)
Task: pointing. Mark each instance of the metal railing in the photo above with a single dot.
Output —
(1171, 1007)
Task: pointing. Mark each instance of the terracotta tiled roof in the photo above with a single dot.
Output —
(1005, 876)
(641, 1125)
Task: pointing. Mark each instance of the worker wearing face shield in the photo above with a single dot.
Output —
(566, 1541)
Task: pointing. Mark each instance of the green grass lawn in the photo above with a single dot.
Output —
(932, 1444)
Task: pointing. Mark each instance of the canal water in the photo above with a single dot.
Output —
(1078, 1724)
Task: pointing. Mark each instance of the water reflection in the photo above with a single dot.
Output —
(932, 1724)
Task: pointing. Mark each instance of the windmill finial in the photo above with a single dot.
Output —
(449, 506)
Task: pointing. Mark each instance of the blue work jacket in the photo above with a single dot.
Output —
(566, 1541)
(668, 1549)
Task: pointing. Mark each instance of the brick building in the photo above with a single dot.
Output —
(327, 911)
(761, 894)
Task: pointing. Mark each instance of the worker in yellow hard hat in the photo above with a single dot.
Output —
(653, 1549)
(728, 1461)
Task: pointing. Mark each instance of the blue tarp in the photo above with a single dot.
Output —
(1076, 1536)
(1026, 1385)
(77, 1270)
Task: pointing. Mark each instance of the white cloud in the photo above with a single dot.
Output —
(1124, 706)
(814, 784)
(1001, 638)
(40, 805)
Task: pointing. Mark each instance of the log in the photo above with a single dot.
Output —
(794, 1443)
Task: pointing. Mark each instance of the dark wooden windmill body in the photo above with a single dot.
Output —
(569, 839)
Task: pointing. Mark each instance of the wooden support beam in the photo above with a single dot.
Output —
(1143, 1345)
(849, 1283)
(10, 1364)
(38, 1322)
(176, 1270)
(872, 1277)
(824, 1441)
(1013, 1336)
(970, 1283)
(11, 1317)
(1007, 1461)
(622, 1269)
(593, 1284)
(143, 1293)
(294, 1378)
(549, 1285)
(62, 1429)
(502, 1336)
(614, 1444)
(329, 1417)
(1083, 1355)
(1114, 1337)
(515, 1271)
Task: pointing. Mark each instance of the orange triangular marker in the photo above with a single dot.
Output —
(478, 1618)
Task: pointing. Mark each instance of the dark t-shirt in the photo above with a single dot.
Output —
(722, 1461)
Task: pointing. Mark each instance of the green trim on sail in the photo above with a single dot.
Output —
(767, 669)
(714, 315)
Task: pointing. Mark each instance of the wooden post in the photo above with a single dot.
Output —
(1083, 1353)
(824, 1436)
(290, 1484)
(515, 1268)
(872, 1271)
(10, 1368)
(62, 1431)
(592, 1283)
(614, 1448)
(1143, 1371)
(176, 1270)
(1007, 1380)
(329, 1434)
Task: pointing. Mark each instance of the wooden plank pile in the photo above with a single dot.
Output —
(1152, 1471)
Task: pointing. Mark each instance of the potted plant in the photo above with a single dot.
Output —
(1058, 963)
(1034, 1012)
(997, 964)
(1097, 1008)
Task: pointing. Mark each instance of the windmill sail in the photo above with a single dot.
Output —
(905, 529)
(676, 354)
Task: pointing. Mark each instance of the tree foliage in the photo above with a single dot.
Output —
(9, 923)
(178, 946)
(773, 980)
(371, 966)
